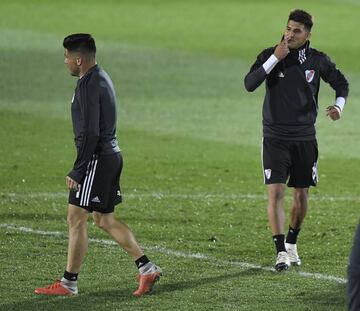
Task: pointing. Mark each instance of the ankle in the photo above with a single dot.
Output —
(279, 241)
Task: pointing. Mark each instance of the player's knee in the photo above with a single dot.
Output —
(75, 222)
(276, 193)
(279, 195)
(103, 222)
(76, 217)
(97, 221)
(301, 198)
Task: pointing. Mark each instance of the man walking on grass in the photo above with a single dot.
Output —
(94, 180)
(292, 71)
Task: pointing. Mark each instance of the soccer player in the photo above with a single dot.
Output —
(354, 274)
(292, 71)
(94, 179)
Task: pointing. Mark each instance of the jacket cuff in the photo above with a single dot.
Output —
(340, 102)
(75, 176)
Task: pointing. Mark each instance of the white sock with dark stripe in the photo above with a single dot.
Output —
(70, 285)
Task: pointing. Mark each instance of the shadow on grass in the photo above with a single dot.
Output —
(332, 297)
(100, 299)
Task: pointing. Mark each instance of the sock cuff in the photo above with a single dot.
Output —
(72, 277)
(142, 261)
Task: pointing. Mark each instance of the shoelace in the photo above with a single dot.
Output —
(54, 285)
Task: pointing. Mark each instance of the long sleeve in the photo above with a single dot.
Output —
(330, 74)
(90, 114)
(257, 73)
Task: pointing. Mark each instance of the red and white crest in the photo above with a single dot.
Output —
(309, 75)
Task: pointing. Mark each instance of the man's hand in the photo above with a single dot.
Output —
(72, 184)
(282, 50)
(333, 112)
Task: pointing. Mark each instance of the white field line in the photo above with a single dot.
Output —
(160, 195)
(163, 250)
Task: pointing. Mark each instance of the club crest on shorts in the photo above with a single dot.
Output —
(267, 173)
(309, 75)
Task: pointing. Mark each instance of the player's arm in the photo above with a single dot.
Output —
(264, 64)
(90, 109)
(330, 74)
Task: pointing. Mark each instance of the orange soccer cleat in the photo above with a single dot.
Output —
(57, 289)
(146, 282)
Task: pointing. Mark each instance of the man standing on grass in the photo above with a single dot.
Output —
(292, 71)
(94, 180)
(354, 274)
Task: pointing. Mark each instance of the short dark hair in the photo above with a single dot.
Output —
(302, 17)
(83, 43)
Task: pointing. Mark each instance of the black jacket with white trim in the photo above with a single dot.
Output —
(292, 86)
(93, 112)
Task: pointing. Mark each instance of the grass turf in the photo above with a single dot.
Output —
(191, 142)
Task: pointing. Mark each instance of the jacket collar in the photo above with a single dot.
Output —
(300, 54)
(89, 71)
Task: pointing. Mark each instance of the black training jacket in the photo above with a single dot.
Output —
(93, 112)
(292, 87)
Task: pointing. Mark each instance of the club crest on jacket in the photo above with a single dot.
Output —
(309, 75)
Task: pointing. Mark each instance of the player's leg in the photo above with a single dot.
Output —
(297, 216)
(299, 207)
(276, 216)
(303, 174)
(106, 193)
(78, 237)
(276, 213)
(275, 156)
(120, 232)
(77, 247)
(353, 286)
(104, 196)
(149, 273)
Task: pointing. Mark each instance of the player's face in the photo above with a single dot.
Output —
(296, 33)
(72, 62)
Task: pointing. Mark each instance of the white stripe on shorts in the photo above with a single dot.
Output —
(262, 158)
(85, 183)
(92, 174)
(88, 181)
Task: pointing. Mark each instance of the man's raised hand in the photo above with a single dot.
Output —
(282, 49)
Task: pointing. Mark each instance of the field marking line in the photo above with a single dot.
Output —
(161, 195)
(166, 251)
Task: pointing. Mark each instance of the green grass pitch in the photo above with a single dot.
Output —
(190, 137)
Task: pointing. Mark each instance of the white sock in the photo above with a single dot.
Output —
(148, 268)
(72, 285)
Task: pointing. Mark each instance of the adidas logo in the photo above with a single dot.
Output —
(96, 200)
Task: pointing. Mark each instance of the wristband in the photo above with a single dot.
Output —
(270, 63)
(340, 103)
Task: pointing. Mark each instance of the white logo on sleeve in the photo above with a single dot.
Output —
(309, 75)
(96, 200)
(267, 173)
